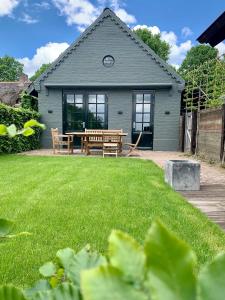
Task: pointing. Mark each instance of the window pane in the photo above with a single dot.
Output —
(146, 127)
(92, 108)
(147, 98)
(92, 98)
(100, 117)
(146, 118)
(101, 108)
(79, 105)
(70, 98)
(139, 98)
(139, 108)
(138, 117)
(78, 98)
(147, 108)
(101, 98)
(138, 127)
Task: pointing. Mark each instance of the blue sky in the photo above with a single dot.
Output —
(37, 31)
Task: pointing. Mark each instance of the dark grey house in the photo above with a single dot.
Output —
(109, 78)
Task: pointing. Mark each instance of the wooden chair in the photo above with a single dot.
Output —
(111, 144)
(133, 147)
(60, 140)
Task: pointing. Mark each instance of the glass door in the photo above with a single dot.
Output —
(143, 114)
(84, 110)
(74, 114)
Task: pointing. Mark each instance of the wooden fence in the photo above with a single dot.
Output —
(204, 133)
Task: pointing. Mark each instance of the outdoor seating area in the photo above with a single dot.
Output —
(108, 142)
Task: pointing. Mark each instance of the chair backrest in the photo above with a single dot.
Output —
(138, 140)
(109, 137)
(55, 133)
(99, 138)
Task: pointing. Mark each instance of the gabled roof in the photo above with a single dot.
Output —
(109, 13)
(215, 33)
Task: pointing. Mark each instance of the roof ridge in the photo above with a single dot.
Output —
(107, 12)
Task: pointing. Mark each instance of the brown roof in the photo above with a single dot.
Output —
(10, 91)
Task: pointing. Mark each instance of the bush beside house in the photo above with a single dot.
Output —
(18, 116)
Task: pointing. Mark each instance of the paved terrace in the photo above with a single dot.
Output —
(210, 199)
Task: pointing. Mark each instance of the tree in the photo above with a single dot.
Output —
(10, 69)
(154, 42)
(196, 56)
(41, 70)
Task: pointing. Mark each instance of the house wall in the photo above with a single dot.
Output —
(84, 64)
(166, 127)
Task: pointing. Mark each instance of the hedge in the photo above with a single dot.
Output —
(18, 116)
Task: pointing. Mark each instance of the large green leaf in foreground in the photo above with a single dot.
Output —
(171, 266)
(11, 293)
(106, 283)
(212, 279)
(127, 255)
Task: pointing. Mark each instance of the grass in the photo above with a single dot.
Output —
(69, 202)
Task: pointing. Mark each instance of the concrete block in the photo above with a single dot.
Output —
(183, 175)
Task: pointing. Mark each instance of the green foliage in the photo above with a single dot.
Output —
(171, 266)
(165, 268)
(196, 56)
(160, 47)
(10, 69)
(25, 139)
(6, 227)
(212, 278)
(48, 269)
(41, 70)
(11, 293)
(205, 85)
(29, 101)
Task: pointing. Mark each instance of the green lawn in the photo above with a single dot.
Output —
(70, 201)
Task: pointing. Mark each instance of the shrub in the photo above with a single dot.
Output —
(18, 116)
(29, 101)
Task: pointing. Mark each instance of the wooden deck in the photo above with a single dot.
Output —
(210, 200)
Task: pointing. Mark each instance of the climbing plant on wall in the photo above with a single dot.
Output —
(205, 85)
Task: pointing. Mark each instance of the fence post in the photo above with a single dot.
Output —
(222, 151)
(194, 133)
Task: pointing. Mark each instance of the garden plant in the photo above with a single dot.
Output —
(164, 268)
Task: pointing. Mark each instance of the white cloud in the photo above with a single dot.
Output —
(7, 7)
(153, 29)
(124, 16)
(221, 48)
(43, 5)
(177, 50)
(82, 12)
(186, 31)
(79, 12)
(45, 54)
(28, 19)
(170, 37)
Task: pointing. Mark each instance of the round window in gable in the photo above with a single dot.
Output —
(108, 61)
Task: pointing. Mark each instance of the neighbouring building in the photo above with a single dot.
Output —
(10, 90)
(108, 78)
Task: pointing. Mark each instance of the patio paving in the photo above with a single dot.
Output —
(211, 197)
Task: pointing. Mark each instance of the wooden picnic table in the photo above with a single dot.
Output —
(85, 137)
